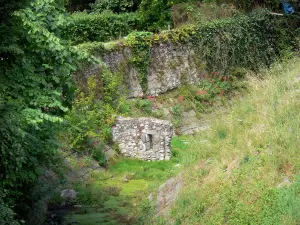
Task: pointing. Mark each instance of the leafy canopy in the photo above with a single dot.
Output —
(36, 89)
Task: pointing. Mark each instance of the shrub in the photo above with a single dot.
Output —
(100, 27)
(195, 12)
(157, 15)
(88, 125)
(36, 90)
(116, 6)
(6, 213)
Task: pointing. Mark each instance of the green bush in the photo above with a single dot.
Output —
(116, 6)
(157, 15)
(191, 13)
(6, 213)
(248, 5)
(224, 43)
(88, 125)
(100, 27)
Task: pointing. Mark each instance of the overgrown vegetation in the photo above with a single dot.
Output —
(110, 20)
(240, 162)
(115, 6)
(247, 170)
(114, 196)
(36, 91)
(36, 95)
(220, 44)
(196, 12)
(88, 125)
(100, 27)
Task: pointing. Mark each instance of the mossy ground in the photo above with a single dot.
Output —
(114, 195)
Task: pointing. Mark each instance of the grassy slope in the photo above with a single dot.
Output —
(231, 172)
(248, 153)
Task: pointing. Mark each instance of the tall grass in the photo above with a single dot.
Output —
(245, 158)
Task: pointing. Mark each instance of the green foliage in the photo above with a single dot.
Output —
(115, 6)
(157, 15)
(248, 5)
(144, 105)
(220, 44)
(77, 5)
(194, 12)
(35, 91)
(88, 124)
(140, 43)
(213, 86)
(223, 43)
(177, 115)
(6, 213)
(100, 27)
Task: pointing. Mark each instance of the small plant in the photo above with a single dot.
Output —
(113, 191)
(140, 43)
(176, 111)
(97, 153)
(88, 126)
(144, 105)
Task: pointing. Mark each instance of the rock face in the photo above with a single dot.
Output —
(171, 65)
(119, 62)
(167, 194)
(143, 138)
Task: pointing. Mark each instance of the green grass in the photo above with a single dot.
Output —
(92, 219)
(248, 154)
(114, 196)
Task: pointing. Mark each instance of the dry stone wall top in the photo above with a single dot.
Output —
(143, 138)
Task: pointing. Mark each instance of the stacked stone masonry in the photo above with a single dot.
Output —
(143, 138)
(171, 65)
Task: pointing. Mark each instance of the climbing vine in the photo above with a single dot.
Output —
(140, 43)
(248, 41)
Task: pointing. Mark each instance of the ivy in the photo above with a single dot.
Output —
(221, 44)
(140, 43)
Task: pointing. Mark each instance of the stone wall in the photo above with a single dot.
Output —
(171, 65)
(143, 138)
(118, 62)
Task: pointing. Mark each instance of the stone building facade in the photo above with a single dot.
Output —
(143, 138)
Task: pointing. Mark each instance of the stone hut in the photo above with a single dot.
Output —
(143, 138)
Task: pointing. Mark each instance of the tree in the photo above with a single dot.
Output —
(116, 6)
(36, 90)
(157, 14)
